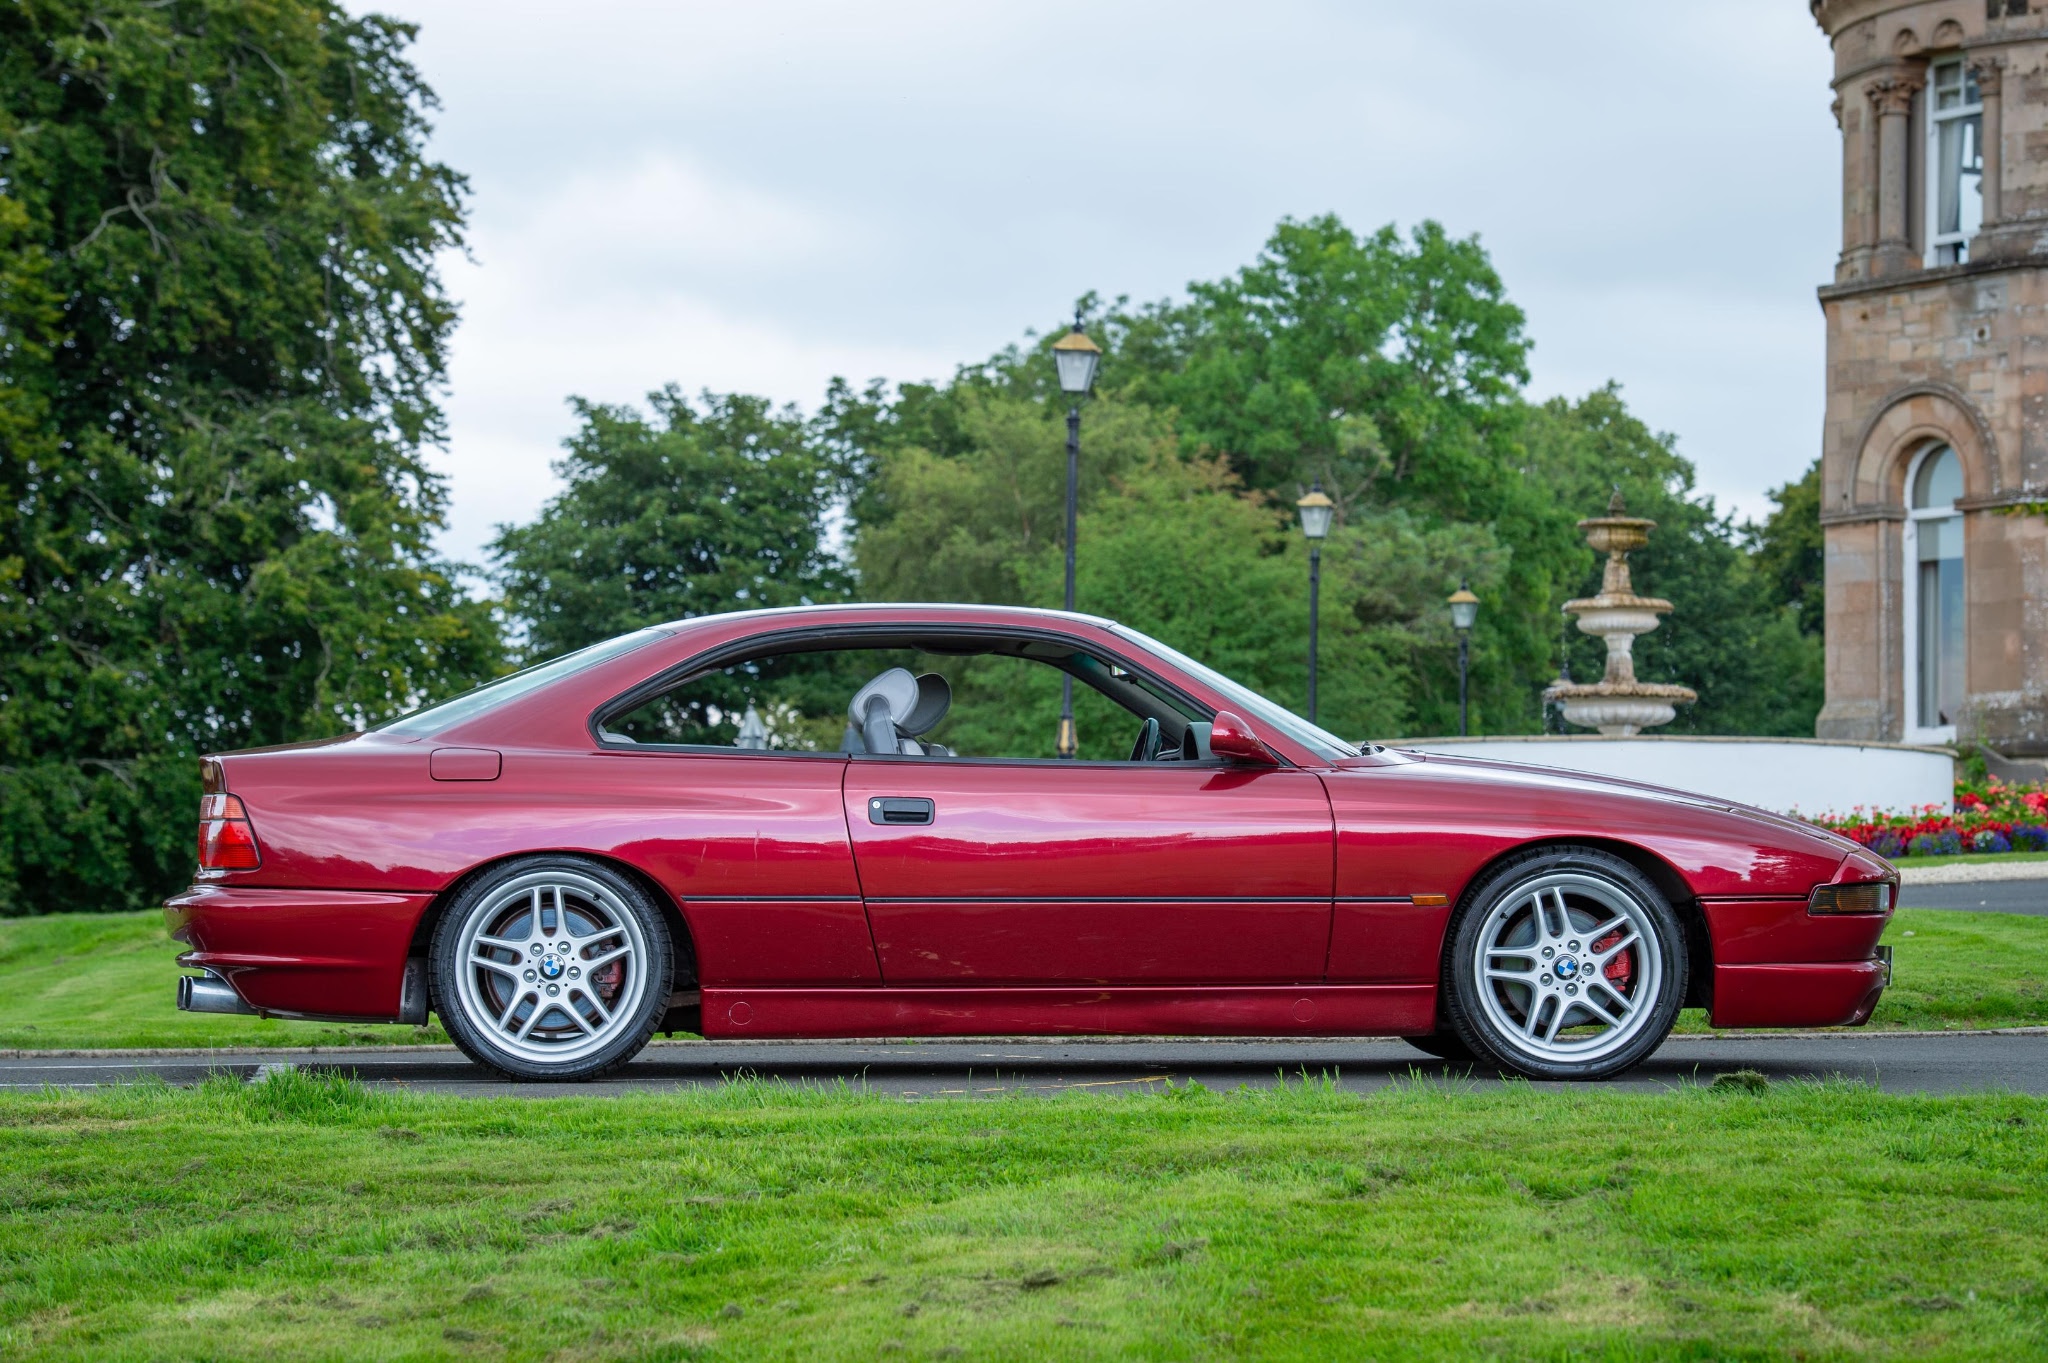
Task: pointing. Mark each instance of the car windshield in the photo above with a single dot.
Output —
(1255, 706)
(449, 713)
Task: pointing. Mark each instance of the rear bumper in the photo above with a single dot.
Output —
(303, 953)
(1805, 994)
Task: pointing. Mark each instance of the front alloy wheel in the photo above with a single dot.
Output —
(1566, 964)
(551, 968)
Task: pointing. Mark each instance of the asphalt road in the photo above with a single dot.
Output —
(1898, 1062)
(1995, 896)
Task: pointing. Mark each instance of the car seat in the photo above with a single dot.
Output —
(894, 711)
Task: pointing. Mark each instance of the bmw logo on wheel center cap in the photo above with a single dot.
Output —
(551, 966)
(1566, 967)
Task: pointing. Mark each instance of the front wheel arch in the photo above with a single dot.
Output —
(1699, 941)
(1494, 922)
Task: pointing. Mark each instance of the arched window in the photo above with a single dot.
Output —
(1934, 595)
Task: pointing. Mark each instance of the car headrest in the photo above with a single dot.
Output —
(896, 687)
(934, 698)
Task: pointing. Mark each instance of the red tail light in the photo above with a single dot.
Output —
(227, 840)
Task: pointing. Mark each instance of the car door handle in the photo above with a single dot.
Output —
(892, 809)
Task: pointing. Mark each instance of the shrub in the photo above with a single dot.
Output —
(1890, 845)
(1989, 840)
(2030, 837)
(1943, 844)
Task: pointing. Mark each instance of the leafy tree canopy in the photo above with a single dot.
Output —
(220, 337)
(1791, 551)
(689, 513)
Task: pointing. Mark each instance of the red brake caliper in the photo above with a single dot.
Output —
(1622, 968)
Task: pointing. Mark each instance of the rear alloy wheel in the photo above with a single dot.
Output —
(551, 968)
(1565, 964)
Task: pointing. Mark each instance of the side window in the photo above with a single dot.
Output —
(985, 698)
(794, 702)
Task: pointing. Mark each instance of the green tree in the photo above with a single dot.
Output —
(220, 336)
(1790, 551)
(1389, 369)
(688, 513)
(1169, 544)
(964, 521)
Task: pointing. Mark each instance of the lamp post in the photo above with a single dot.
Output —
(1316, 510)
(1076, 358)
(1464, 610)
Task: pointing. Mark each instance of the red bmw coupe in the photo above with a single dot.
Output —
(848, 821)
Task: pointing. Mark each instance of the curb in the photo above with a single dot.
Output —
(1967, 873)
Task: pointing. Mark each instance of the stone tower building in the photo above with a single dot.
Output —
(1936, 437)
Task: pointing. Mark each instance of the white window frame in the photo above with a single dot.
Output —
(1910, 599)
(1949, 248)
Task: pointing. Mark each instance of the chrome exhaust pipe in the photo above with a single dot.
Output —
(209, 994)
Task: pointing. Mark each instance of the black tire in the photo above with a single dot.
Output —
(594, 911)
(1444, 1046)
(1637, 984)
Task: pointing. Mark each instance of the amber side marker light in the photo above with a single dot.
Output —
(227, 840)
(1873, 897)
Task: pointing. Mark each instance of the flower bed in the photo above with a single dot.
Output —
(1990, 816)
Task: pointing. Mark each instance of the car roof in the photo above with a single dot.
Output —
(887, 608)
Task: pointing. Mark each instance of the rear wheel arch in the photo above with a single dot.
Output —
(685, 947)
(1661, 873)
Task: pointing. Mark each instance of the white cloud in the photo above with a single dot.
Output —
(760, 196)
(597, 290)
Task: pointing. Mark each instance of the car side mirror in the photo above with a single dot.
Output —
(1231, 739)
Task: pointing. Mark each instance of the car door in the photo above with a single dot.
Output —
(753, 847)
(1050, 873)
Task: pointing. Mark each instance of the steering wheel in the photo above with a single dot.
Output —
(1146, 749)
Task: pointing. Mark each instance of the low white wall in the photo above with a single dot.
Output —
(1789, 775)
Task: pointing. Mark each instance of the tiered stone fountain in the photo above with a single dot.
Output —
(1618, 703)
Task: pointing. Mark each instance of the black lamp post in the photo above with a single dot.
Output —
(1316, 510)
(1076, 358)
(1464, 610)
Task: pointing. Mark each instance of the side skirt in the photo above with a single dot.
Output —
(1308, 1010)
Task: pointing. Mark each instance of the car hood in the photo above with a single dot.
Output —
(1783, 827)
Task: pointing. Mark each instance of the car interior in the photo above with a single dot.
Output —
(924, 695)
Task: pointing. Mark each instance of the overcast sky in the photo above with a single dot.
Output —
(760, 196)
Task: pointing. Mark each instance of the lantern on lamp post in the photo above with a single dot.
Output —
(1464, 611)
(1076, 358)
(1316, 512)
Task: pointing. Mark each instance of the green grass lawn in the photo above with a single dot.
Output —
(304, 1218)
(1952, 969)
(89, 980)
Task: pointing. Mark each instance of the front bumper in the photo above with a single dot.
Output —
(1806, 994)
(1776, 965)
(305, 953)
